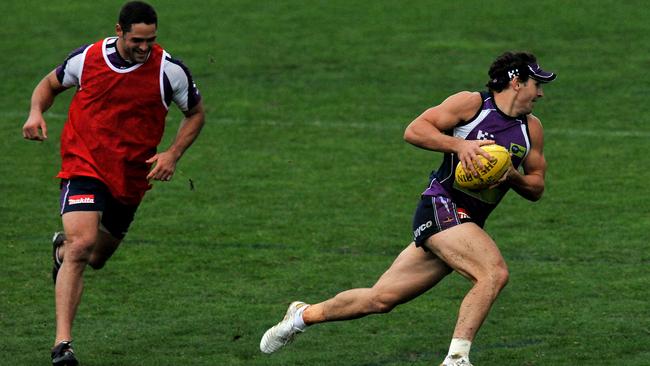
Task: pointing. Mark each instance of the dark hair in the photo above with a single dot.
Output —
(507, 66)
(135, 12)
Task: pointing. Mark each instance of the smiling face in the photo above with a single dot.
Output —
(135, 45)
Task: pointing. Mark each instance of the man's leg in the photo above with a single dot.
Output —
(81, 234)
(106, 245)
(412, 273)
(470, 251)
(84, 244)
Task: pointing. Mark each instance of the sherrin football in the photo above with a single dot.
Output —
(491, 172)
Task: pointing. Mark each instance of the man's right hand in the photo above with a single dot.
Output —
(469, 152)
(35, 128)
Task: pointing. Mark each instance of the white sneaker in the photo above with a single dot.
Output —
(456, 360)
(283, 332)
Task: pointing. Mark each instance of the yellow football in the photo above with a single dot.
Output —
(491, 172)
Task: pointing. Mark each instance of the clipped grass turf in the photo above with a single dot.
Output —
(304, 187)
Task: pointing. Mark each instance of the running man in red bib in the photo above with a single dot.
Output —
(124, 87)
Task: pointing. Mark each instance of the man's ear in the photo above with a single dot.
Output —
(118, 30)
(516, 83)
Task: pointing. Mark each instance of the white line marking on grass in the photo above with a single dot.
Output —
(597, 133)
(24, 114)
(313, 123)
(382, 125)
(374, 125)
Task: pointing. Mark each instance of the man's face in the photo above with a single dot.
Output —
(136, 44)
(529, 92)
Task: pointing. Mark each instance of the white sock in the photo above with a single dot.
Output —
(297, 320)
(459, 348)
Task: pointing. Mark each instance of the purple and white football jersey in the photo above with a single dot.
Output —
(489, 123)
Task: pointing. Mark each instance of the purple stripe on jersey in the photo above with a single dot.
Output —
(167, 90)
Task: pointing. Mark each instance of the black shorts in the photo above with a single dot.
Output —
(90, 194)
(435, 214)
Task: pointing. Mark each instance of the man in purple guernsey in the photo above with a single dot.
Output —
(448, 223)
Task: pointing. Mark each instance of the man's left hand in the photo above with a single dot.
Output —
(164, 166)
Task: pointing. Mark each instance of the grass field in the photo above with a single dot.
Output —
(304, 186)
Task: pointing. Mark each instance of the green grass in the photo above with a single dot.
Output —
(304, 187)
